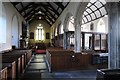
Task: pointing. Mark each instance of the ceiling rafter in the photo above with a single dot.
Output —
(36, 6)
(33, 5)
(53, 8)
(42, 5)
(41, 19)
(48, 12)
(30, 10)
(37, 16)
(47, 22)
(15, 3)
(50, 19)
(25, 8)
(42, 11)
(60, 5)
(32, 15)
(45, 11)
(22, 7)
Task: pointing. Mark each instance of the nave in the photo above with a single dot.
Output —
(79, 40)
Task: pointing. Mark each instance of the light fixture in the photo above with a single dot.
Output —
(40, 24)
(40, 18)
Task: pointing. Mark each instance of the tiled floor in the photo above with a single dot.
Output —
(38, 70)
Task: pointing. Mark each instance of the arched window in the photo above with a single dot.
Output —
(101, 26)
(39, 32)
(71, 24)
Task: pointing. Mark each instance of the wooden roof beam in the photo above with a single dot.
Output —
(15, 3)
(44, 13)
(59, 4)
(55, 11)
(26, 7)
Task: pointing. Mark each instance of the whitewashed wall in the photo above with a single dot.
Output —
(0, 24)
(13, 27)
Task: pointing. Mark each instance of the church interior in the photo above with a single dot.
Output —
(60, 40)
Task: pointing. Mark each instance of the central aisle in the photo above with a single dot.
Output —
(37, 69)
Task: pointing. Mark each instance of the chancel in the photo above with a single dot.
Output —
(60, 40)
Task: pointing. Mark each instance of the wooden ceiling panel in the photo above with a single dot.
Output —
(49, 10)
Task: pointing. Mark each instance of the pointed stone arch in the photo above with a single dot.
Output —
(67, 18)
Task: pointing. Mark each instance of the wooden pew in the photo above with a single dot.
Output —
(17, 59)
(25, 57)
(60, 59)
(11, 69)
(3, 72)
(20, 61)
(108, 74)
(8, 59)
(28, 54)
(48, 55)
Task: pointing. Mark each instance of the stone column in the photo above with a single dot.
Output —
(114, 35)
(78, 20)
(77, 46)
(64, 40)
